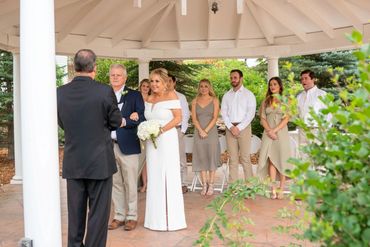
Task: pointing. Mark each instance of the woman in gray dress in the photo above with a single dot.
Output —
(206, 149)
(275, 148)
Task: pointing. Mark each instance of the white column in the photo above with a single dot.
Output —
(143, 68)
(273, 67)
(17, 179)
(41, 195)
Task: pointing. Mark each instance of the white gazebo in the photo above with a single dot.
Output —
(35, 30)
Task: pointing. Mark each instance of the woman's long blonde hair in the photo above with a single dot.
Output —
(211, 91)
(162, 73)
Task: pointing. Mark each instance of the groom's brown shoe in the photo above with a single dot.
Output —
(115, 224)
(130, 225)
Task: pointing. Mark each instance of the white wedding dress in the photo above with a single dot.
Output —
(164, 200)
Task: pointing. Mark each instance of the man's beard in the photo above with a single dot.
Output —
(236, 84)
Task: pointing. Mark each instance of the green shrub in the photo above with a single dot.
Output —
(334, 178)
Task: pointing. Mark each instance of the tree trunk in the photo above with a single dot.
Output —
(10, 140)
(10, 123)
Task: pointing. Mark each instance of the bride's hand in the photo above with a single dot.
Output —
(134, 116)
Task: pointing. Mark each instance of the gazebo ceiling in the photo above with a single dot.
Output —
(158, 30)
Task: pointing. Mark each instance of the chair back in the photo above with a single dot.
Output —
(222, 142)
(189, 140)
(255, 144)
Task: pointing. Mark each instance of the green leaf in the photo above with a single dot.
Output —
(366, 235)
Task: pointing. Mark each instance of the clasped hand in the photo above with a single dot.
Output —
(271, 133)
(203, 134)
(134, 116)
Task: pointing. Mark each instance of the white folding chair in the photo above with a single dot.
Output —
(189, 140)
(255, 147)
(294, 147)
(197, 182)
(224, 166)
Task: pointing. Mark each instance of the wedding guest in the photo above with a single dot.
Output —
(181, 129)
(164, 200)
(87, 111)
(308, 98)
(144, 88)
(126, 149)
(206, 148)
(275, 147)
(238, 108)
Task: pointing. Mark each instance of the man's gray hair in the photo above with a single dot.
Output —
(118, 66)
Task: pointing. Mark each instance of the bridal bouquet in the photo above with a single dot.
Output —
(149, 130)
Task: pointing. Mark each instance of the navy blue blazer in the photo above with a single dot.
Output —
(127, 138)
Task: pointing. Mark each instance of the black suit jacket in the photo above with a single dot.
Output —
(127, 138)
(88, 112)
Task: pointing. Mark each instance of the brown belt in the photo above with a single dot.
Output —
(178, 127)
(235, 124)
(114, 141)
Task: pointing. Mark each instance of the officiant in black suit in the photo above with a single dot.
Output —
(88, 112)
(126, 150)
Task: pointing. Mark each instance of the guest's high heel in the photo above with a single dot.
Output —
(204, 189)
(273, 194)
(280, 194)
(210, 190)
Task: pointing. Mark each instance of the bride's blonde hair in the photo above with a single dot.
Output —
(162, 73)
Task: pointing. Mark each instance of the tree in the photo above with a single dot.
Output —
(6, 101)
(322, 64)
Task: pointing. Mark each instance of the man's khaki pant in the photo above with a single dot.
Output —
(239, 147)
(183, 164)
(124, 193)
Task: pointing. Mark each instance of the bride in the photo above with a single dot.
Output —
(164, 200)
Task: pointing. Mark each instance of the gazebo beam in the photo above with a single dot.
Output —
(146, 40)
(64, 3)
(137, 3)
(273, 9)
(209, 27)
(82, 13)
(257, 17)
(342, 7)
(239, 6)
(135, 23)
(184, 7)
(5, 7)
(177, 23)
(363, 4)
(7, 20)
(308, 10)
(100, 25)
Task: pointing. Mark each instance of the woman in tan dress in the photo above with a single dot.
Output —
(275, 148)
(206, 149)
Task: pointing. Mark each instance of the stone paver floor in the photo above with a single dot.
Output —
(263, 212)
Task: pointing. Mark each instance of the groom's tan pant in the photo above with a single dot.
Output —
(236, 146)
(124, 193)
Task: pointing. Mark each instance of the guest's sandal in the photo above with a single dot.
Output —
(273, 194)
(204, 189)
(210, 190)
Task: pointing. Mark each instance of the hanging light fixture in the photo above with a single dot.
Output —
(214, 7)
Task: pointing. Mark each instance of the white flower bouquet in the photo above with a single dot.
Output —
(149, 130)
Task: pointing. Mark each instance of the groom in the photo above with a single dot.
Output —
(126, 150)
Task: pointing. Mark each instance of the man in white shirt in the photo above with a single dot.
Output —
(307, 99)
(181, 130)
(238, 109)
